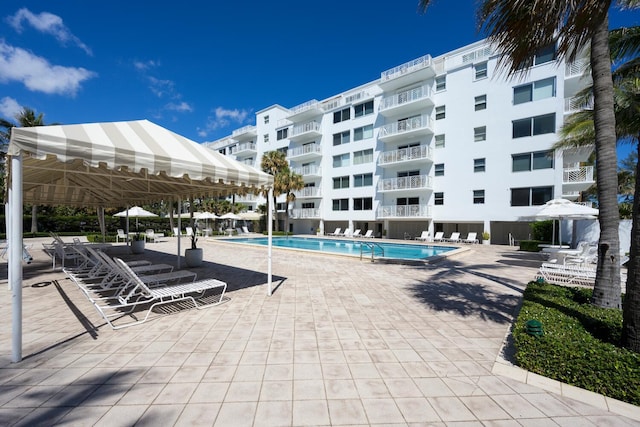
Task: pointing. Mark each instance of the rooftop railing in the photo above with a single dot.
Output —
(407, 67)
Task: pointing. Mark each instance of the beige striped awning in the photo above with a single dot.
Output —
(120, 163)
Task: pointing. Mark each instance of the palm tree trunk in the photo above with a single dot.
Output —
(606, 292)
(631, 309)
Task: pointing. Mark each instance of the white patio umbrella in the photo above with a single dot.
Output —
(135, 212)
(206, 216)
(559, 209)
(231, 216)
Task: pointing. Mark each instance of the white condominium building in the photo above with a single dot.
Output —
(440, 144)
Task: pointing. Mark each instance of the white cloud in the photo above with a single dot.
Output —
(223, 117)
(47, 23)
(9, 108)
(37, 74)
(180, 106)
(161, 88)
(144, 66)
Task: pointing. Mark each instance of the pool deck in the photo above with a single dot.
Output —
(340, 342)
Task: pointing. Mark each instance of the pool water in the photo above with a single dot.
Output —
(350, 247)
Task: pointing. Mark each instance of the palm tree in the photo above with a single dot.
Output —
(275, 163)
(27, 117)
(290, 182)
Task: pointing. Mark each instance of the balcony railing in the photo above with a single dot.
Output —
(306, 106)
(415, 94)
(576, 68)
(245, 146)
(308, 192)
(307, 170)
(407, 67)
(577, 175)
(405, 183)
(406, 154)
(304, 149)
(304, 128)
(572, 105)
(250, 129)
(406, 125)
(404, 211)
(305, 213)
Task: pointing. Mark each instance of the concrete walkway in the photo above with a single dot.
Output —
(340, 342)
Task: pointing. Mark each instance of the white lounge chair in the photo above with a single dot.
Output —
(368, 234)
(424, 236)
(439, 237)
(176, 232)
(356, 233)
(121, 235)
(336, 233)
(454, 238)
(346, 233)
(560, 274)
(189, 231)
(245, 230)
(471, 238)
(151, 235)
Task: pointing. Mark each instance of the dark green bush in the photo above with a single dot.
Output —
(530, 245)
(580, 344)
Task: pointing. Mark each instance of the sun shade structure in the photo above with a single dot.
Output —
(110, 164)
(562, 209)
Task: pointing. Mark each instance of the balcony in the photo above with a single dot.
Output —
(305, 111)
(308, 171)
(304, 152)
(246, 131)
(577, 179)
(414, 99)
(411, 127)
(413, 71)
(305, 130)
(404, 211)
(305, 213)
(247, 198)
(245, 148)
(572, 105)
(576, 68)
(416, 182)
(405, 156)
(308, 193)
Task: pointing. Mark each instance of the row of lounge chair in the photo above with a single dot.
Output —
(347, 233)
(454, 238)
(118, 289)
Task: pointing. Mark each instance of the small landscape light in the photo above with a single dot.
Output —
(534, 327)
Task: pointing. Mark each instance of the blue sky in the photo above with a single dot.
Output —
(203, 68)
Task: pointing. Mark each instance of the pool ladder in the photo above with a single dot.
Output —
(372, 247)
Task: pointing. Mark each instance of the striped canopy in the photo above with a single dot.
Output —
(120, 163)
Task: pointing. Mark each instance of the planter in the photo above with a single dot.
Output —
(137, 246)
(486, 242)
(193, 257)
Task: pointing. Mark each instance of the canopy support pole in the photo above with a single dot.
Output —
(15, 256)
(179, 230)
(270, 241)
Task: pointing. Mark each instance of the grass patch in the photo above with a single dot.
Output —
(580, 344)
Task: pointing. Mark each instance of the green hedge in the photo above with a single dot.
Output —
(530, 245)
(580, 344)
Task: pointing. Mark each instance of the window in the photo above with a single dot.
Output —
(308, 205)
(222, 151)
(438, 198)
(341, 160)
(282, 134)
(535, 196)
(532, 161)
(441, 83)
(363, 204)
(480, 70)
(342, 115)
(478, 197)
(283, 150)
(364, 132)
(535, 91)
(363, 180)
(544, 55)
(480, 134)
(266, 120)
(534, 125)
(479, 165)
(439, 141)
(406, 201)
(265, 137)
(340, 182)
(364, 156)
(340, 204)
(441, 112)
(363, 109)
(439, 169)
(341, 138)
(481, 102)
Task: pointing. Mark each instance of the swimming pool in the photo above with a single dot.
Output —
(393, 251)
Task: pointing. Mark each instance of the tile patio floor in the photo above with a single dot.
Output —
(340, 342)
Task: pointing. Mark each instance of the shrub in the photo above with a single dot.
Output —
(530, 245)
(580, 344)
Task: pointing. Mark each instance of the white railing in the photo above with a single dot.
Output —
(306, 106)
(332, 103)
(305, 213)
(244, 129)
(219, 143)
(407, 67)
(572, 105)
(576, 68)
(406, 154)
(247, 198)
(406, 125)
(245, 146)
(587, 204)
(308, 192)
(411, 95)
(305, 127)
(404, 211)
(283, 123)
(307, 170)
(476, 55)
(405, 183)
(356, 96)
(304, 149)
(581, 174)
